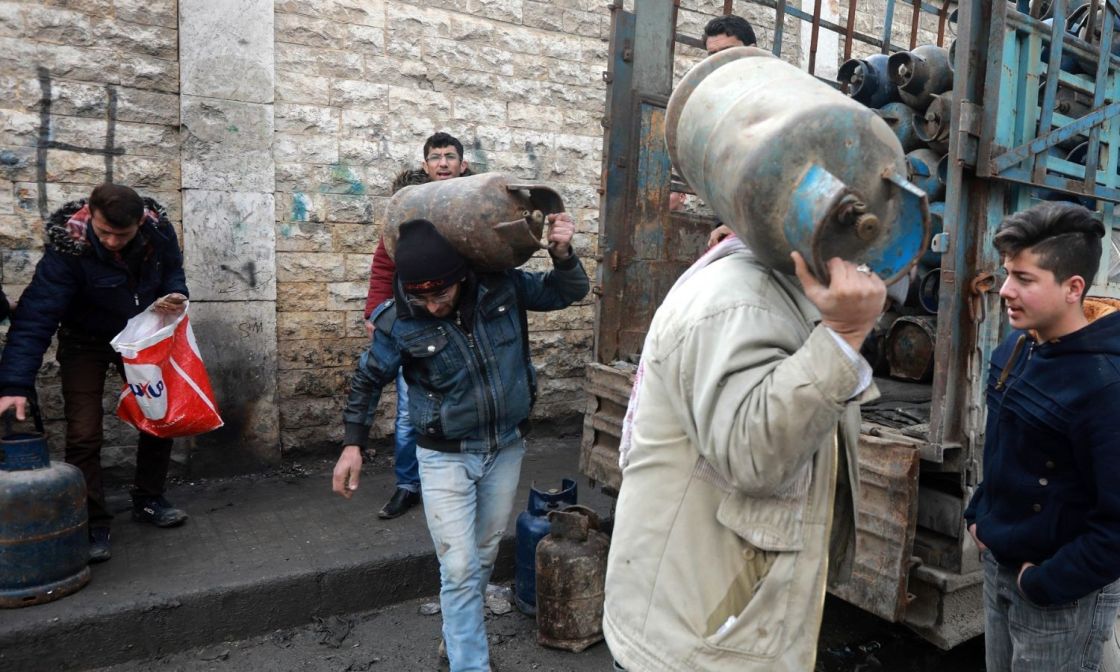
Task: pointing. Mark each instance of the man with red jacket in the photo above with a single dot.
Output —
(443, 160)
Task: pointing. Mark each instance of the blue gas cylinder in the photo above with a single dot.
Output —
(532, 526)
(44, 542)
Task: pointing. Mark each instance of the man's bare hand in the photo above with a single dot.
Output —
(561, 228)
(972, 533)
(347, 471)
(369, 328)
(171, 304)
(850, 304)
(718, 234)
(16, 402)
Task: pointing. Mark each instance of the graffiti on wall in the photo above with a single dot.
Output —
(109, 150)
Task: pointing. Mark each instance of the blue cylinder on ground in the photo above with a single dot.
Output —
(532, 526)
(44, 542)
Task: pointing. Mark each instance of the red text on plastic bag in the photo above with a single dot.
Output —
(167, 392)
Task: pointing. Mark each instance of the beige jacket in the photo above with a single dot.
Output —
(743, 465)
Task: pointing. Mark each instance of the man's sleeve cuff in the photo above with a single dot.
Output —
(565, 264)
(356, 435)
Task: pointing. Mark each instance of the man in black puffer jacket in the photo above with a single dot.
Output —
(107, 259)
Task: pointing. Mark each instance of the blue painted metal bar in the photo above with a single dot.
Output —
(779, 27)
(996, 80)
(1053, 66)
(1092, 158)
(1015, 156)
(888, 23)
(1059, 183)
(1073, 44)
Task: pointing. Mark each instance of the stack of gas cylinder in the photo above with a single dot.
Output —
(912, 92)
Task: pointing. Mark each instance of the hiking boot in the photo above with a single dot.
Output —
(401, 501)
(157, 511)
(99, 550)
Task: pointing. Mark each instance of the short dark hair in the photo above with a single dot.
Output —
(1065, 236)
(735, 26)
(440, 140)
(121, 206)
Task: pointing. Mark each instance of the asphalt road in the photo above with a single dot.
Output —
(403, 639)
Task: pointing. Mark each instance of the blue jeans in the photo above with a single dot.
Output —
(468, 498)
(404, 441)
(1022, 637)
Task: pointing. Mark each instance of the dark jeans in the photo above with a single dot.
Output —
(83, 364)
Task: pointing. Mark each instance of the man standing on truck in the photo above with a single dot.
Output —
(461, 339)
(107, 258)
(443, 160)
(739, 478)
(724, 32)
(1046, 515)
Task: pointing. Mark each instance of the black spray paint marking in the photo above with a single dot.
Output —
(250, 275)
(109, 151)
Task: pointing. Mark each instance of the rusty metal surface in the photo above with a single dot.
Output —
(910, 347)
(493, 221)
(885, 525)
(615, 205)
(571, 580)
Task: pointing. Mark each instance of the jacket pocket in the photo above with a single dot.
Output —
(433, 355)
(753, 616)
(501, 317)
(771, 523)
(424, 408)
(1102, 629)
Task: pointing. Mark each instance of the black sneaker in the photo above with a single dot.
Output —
(99, 550)
(401, 501)
(157, 511)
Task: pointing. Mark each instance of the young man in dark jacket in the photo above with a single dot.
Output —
(1047, 514)
(461, 341)
(106, 260)
(443, 160)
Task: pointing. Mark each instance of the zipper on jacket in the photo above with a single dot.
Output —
(136, 298)
(480, 366)
(491, 405)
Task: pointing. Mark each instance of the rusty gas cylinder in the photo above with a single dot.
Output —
(494, 222)
(571, 577)
(791, 164)
(911, 344)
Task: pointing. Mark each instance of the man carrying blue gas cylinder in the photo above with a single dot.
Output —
(461, 339)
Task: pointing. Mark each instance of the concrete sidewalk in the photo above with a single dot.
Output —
(259, 553)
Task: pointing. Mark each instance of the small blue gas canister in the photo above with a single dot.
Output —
(532, 526)
(44, 542)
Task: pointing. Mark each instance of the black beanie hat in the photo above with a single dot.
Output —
(426, 262)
